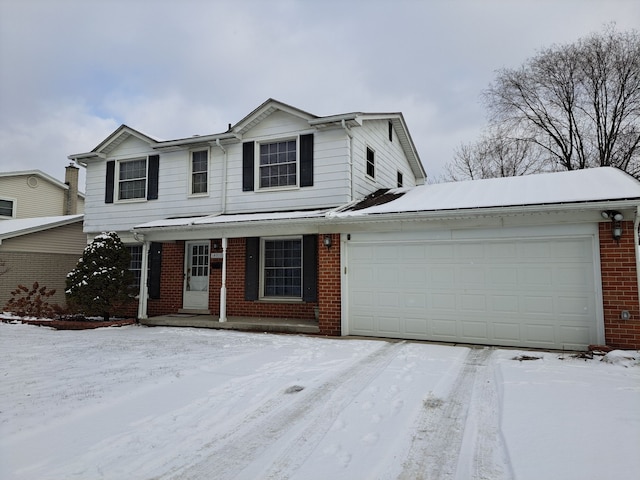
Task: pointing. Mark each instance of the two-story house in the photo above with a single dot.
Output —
(41, 235)
(235, 223)
(287, 215)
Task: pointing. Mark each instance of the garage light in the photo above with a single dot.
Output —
(616, 225)
(327, 241)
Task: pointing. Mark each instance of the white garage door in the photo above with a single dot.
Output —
(528, 292)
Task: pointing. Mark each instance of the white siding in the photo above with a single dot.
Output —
(332, 175)
(389, 159)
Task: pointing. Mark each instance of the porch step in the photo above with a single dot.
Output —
(275, 325)
(194, 311)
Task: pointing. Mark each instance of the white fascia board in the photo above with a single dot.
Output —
(454, 214)
(196, 140)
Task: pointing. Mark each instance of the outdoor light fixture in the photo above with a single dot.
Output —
(616, 225)
(327, 241)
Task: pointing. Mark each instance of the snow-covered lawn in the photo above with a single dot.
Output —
(143, 403)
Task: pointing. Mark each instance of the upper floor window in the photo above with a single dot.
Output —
(400, 179)
(132, 179)
(199, 172)
(6, 208)
(371, 163)
(390, 132)
(278, 164)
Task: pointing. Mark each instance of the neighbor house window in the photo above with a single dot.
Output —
(399, 179)
(371, 163)
(199, 172)
(135, 265)
(282, 268)
(132, 179)
(278, 164)
(6, 208)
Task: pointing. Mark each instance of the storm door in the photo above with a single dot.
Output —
(196, 278)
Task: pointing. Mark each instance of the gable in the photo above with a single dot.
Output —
(277, 123)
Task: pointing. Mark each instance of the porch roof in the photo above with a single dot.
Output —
(235, 219)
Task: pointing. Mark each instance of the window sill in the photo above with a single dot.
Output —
(280, 300)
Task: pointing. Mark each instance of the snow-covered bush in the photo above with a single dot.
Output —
(100, 284)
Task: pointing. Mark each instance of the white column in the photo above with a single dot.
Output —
(223, 288)
(143, 296)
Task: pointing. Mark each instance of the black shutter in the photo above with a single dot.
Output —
(108, 188)
(155, 269)
(310, 268)
(248, 154)
(152, 183)
(306, 160)
(251, 268)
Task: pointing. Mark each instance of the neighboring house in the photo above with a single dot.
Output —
(33, 193)
(41, 237)
(291, 215)
(39, 249)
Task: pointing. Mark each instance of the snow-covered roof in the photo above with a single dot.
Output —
(590, 185)
(233, 219)
(24, 226)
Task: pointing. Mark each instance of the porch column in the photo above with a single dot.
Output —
(223, 288)
(143, 296)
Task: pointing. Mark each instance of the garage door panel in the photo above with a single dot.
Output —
(538, 292)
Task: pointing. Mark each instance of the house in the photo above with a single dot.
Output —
(41, 237)
(327, 219)
(33, 193)
(39, 249)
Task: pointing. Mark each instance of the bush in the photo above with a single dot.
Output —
(31, 302)
(100, 284)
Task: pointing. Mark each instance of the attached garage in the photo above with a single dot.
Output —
(528, 287)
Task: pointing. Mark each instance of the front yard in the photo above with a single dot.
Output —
(140, 403)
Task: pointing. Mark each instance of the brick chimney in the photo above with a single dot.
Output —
(71, 195)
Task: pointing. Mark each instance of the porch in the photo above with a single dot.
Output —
(253, 324)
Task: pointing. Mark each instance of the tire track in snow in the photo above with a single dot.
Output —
(435, 449)
(236, 450)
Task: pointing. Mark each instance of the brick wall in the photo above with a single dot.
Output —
(619, 287)
(329, 291)
(329, 303)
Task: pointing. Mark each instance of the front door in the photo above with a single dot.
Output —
(196, 278)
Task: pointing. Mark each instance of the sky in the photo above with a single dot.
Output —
(72, 71)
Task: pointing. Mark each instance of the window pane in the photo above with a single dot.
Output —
(133, 179)
(135, 264)
(283, 268)
(6, 208)
(278, 165)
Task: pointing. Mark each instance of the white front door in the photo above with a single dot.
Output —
(196, 278)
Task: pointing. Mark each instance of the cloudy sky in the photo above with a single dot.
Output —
(72, 71)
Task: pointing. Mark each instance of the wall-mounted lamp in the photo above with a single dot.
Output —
(616, 223)
(327, 241)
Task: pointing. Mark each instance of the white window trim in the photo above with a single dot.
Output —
(366, 163)
(256, 177)
(190, 182)
(261, 295)
(14, 207)
(116, 180)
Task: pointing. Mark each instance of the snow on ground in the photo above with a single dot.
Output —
(163, 403)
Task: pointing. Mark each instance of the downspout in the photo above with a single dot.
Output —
(349, 159)
(223, 287)
(223, 193)
(636, 239)
(143, 295)
(223, 207)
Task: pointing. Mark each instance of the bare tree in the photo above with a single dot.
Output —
(577, 106)
(496, 155)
